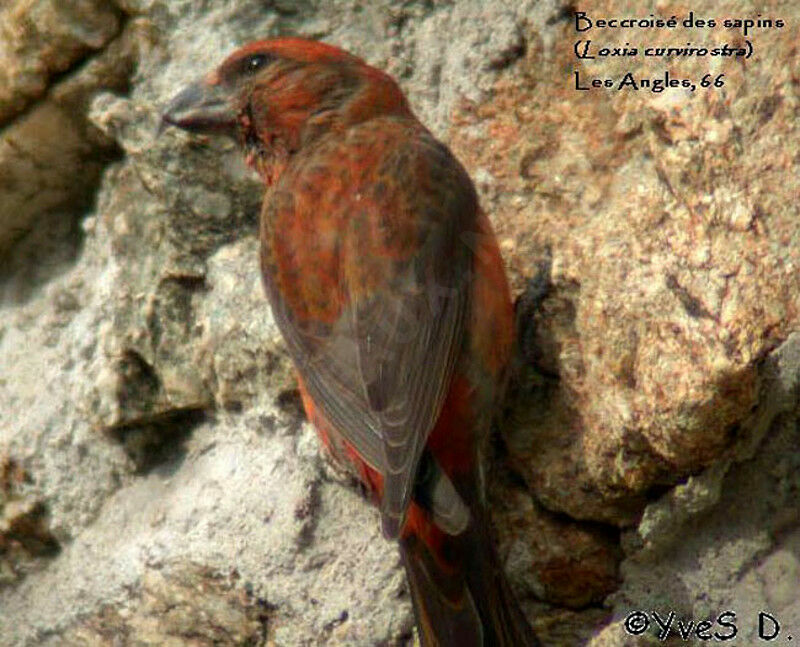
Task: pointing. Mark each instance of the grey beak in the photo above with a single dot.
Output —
(201, 108)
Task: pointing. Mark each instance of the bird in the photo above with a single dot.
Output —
(386, 281)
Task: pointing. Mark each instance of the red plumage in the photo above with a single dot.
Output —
(386, 281)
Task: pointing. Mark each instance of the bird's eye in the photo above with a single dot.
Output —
(255, 62)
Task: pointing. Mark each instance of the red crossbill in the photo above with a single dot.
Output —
(386, 282)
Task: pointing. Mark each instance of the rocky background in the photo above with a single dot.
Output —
(158, 483)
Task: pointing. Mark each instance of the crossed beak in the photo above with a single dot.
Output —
(202, 107)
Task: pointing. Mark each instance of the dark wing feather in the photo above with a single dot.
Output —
(408, 340)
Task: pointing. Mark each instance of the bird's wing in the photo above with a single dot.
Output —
(381, 370)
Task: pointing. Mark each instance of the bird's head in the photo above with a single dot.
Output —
(276, 96)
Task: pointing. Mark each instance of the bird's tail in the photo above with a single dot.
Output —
(460, 593)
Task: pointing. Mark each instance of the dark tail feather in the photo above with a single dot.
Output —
(461, 595)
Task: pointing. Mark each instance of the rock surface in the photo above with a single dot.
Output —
(158, 484)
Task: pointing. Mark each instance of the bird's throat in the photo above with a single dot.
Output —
(267, 158)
